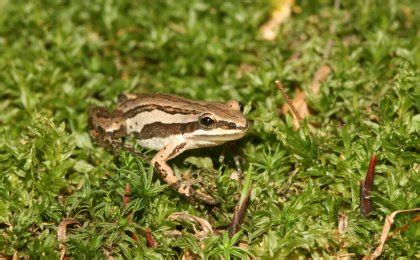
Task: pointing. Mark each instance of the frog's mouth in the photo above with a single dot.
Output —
(228, 135)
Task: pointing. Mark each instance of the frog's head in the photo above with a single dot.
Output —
(218, 123)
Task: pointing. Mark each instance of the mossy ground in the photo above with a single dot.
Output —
(57, 59)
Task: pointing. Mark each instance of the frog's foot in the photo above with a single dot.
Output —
(185, 189)
(236, 157)
(166, 173)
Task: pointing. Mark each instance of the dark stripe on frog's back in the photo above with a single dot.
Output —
(151, 107)
(143, 99)
(173, 105)
(158, 129)
(170, 110)
(171, 101)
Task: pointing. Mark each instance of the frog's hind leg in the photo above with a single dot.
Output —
(165, 171)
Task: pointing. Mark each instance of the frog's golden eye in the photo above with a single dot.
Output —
(207, 121)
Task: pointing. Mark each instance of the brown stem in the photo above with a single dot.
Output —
(126, 200)
(127, 192)
(62, 234)
(151, 242)
(238, 216)
(289, 101)
(403, 228)
(366, 188)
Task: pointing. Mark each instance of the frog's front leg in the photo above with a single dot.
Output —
(165, 171)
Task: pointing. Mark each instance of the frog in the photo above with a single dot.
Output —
(169, 124)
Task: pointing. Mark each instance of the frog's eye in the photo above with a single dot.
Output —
(207, 121)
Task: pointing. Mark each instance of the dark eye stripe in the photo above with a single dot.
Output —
(228, 125)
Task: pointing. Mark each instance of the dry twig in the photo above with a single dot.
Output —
(62, 234)
(389, 220)
(289, 101)
(238, 216)
(205, 225)
(242, 206)
(403, 228)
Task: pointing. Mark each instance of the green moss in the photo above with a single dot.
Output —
(59, 58)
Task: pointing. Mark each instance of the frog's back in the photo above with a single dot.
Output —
(155, 119)
(132, 103)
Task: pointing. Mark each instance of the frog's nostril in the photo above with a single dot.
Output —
(232, 126)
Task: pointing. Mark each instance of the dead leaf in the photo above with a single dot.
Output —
(151, 242)
(298, 104)
(205, 225)
(108, 254)
(342, 223)
(403, 228)
(243, 245)
(235, 175)
(62, 234)
(127, 194)
(389, 220)
(342, 228)
(280, 13)
(320, 76)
